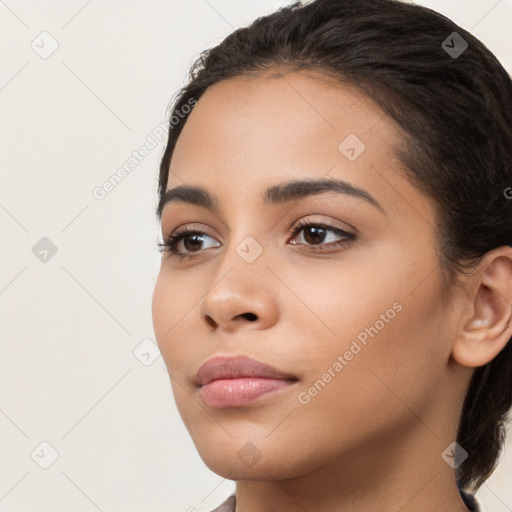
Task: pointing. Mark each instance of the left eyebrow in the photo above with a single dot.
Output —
(277, 194)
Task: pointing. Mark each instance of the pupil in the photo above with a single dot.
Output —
(316, 237)
(197, 242)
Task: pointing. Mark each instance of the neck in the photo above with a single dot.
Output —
(408, 475)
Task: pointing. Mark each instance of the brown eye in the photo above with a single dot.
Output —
(191, 240)
(315, 234)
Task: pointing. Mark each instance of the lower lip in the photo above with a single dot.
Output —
(237, 392)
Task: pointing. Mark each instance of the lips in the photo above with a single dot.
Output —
(239, 381)
(220, 367)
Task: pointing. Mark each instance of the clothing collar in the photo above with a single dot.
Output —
(469, 500)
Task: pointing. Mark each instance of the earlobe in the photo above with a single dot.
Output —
(489, 329)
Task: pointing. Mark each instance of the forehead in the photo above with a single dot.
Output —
(298, 111)
(248, 133)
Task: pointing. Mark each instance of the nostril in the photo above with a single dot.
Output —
(250, 316)
(210, 321)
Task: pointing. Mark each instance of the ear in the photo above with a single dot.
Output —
(487, 328)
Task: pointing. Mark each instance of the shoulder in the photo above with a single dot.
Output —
(226, 506)
(469, 500)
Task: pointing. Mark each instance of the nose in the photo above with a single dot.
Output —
(240, 299)
(251, 317)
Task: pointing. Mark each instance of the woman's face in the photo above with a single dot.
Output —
(359, 319)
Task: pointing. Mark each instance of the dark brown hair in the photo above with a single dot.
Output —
(453, 105)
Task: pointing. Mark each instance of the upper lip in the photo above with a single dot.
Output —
(221, 367)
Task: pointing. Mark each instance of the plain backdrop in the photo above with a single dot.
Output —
(87, 417)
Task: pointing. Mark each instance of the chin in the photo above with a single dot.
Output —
(239, 459)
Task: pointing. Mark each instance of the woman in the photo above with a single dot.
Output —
(335, 294)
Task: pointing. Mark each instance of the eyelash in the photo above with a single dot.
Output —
(171, 241)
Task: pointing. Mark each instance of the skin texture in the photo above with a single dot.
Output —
(372, 437)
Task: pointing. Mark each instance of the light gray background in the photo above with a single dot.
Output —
(72, 371)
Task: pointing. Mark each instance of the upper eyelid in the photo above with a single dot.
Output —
(297, 227)
(304, 219)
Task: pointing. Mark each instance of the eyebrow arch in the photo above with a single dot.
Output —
(277, 194)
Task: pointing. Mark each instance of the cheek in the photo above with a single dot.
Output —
(372, 343)
(169, 307)
(159, 308)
